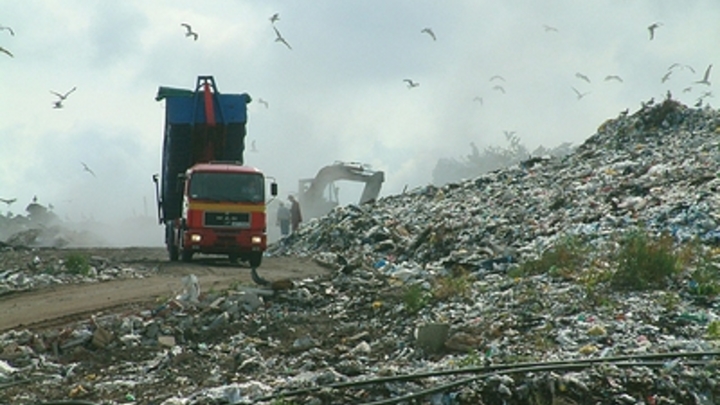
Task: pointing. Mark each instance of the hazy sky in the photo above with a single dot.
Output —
(337, 95)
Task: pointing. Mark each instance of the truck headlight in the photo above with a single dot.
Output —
(255, 239)
(195, 238)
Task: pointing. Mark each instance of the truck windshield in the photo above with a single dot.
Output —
(234, 187)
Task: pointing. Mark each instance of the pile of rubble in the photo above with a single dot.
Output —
(427, 299)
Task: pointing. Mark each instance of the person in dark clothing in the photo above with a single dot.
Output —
(295, 214)
(283, 219)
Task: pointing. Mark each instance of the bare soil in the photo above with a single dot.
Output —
(55, 306)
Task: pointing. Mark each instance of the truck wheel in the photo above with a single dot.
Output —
(233, 257)
(255, 259)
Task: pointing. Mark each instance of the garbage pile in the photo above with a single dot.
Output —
(458, 294)
(41, 227)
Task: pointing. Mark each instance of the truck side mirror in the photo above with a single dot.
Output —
(273, 189)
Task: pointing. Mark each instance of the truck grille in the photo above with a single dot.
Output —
(229, 219)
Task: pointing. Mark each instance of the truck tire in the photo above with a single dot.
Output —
(255, 258)
(233, 257)
(187, 255)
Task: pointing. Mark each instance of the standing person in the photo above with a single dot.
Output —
(283, 219)
(295, 215)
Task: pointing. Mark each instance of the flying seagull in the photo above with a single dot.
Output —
(549, 28)
(578, 94)
(279, 38)
(666, 76)
(62, 97)
(652, 28)
(2, 27)
(253, 148)
(613, 77)
(8, 201)
(429, 32)
(411, 83)
(687, 90)
(275, 17)
(499, 88)
(478, 99)
(508, 134)
(263, 102)
(3, 50)
(582, 76)
(498, 77)
(706, 78)
(87, 169)
(189, 32)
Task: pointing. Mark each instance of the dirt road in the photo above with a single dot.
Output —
(57, 305)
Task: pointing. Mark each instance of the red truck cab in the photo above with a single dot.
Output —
(223, 212)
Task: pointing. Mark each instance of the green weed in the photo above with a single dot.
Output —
(645, 263)
(76, 263)
(415, 298)
(452, 286)
(562, 260)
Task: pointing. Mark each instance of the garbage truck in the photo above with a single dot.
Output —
(209, 201)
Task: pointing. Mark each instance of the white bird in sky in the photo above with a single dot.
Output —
(275, 17)
(499, 88)
(497, 77)
(5, 51)
(582, 76)
(613, 77)
(652, 28)
(578, 94)
(666, 76)
(411, 83)
(430, 32)
(62, 97)
(279, 38)
(263, 102)
(8, 29)
(189, 32)
(87, 169)
(706, 77)
(549, 28)
(8, 201)
(478, 99)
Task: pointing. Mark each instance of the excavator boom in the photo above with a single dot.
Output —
(312, 199)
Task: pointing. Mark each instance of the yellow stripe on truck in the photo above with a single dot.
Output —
(226, 207)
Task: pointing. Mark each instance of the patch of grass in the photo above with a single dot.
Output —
(76, 263)
(713, 330)
(562, 260)
(415, 298)
(472, 358)
(705, 274)
(458, 285)
(645, 263)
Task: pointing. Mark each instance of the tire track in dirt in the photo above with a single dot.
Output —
(56, 305)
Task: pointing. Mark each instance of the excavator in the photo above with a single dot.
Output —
(319, 195)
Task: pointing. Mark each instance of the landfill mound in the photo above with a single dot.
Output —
(587, 279)
(657, 168)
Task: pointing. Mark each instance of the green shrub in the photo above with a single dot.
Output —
(562, 260)
(452, 286)
(415, 298)
(645, 263)
(76, 263)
